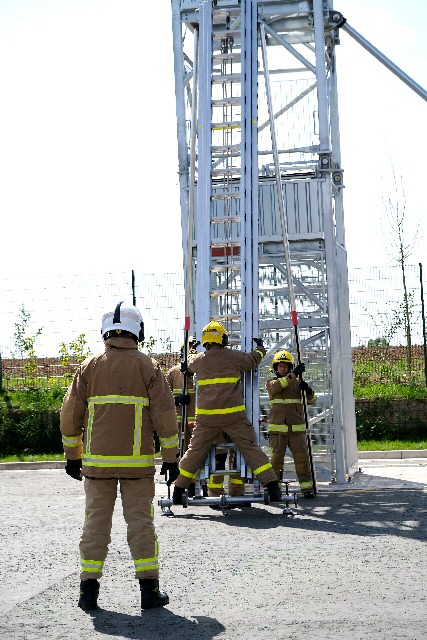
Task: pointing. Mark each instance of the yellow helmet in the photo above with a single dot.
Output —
(282, 356)
(214, 332)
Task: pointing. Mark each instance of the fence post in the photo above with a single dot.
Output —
(424, 321)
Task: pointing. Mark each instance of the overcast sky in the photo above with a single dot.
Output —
(88, 154)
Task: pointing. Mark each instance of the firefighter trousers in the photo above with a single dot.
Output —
(241, 433)
(137, 502)
(297, 443)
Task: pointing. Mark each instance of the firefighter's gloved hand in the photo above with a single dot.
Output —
(73, 468)
(303, 385)
(299, 369)
(258, 342)
(171, 471)
(194, 345)
(182, 399)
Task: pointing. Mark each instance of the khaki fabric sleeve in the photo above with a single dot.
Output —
(162, 406)
(72, 417)
(249, 360)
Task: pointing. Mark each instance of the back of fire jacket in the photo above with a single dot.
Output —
(219, 383)
(109, 410)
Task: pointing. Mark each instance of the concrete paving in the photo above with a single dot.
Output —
(350, 564)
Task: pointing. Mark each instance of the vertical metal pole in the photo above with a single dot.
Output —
(249, 201)
(424, 321)
(330, 243)
(133, 289)
(204, 168)
(281, 199)
(1, 374)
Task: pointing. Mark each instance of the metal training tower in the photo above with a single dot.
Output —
(261, 189)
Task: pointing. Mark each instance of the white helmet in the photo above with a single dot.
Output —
(125, 317)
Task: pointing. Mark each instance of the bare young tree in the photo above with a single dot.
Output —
(400, 248)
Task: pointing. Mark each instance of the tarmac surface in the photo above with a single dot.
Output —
(351, 564)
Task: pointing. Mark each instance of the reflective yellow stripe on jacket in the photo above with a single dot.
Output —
(134, 460)
(220, 411)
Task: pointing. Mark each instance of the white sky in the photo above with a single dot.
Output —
(88, 154)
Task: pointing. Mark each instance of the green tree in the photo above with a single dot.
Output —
(25, 342)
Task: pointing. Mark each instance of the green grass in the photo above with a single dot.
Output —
(409, 391)
(40, 457)
(390, 445)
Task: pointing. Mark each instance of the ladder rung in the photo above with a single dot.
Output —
(219, 250)
(231, 171)
(228, 267)
(226, 219)
(225, 79)
(221, 102)
(225, 196)
(226, 34)
(226, 147)
(226, 318)
(226, 56)
(226, 292)
(226, 125)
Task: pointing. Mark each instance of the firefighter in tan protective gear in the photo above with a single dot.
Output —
(220, 408)
(175, 380)
(287, 426)
(107, 422)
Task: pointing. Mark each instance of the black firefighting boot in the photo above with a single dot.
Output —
(192, 490)
(308, 494)
(274, 491)
(177, 495)
(89, 590)
(151, 596)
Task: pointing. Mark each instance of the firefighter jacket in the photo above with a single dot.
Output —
(175, 380)
(219, 383)
(286, 405)
(108, 413)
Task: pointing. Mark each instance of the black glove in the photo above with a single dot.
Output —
(194, 345)
(182, 400)
(184, 369)
(258, 342)
(170, 469)
(303, 385)
(299, 369)
(73, 468)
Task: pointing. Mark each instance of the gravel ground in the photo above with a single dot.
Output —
(351, 564)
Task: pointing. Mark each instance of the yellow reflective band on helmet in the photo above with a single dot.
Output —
(186, 474)
(286, 401)
(169, 443)
(278, 427)
(91, 566)
(220, 411)
(265, 467)
(218, 381)
(118, 461)
(284, 382)
(236, 481)
(69, 441)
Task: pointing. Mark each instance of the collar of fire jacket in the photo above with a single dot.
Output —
(120, 343)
